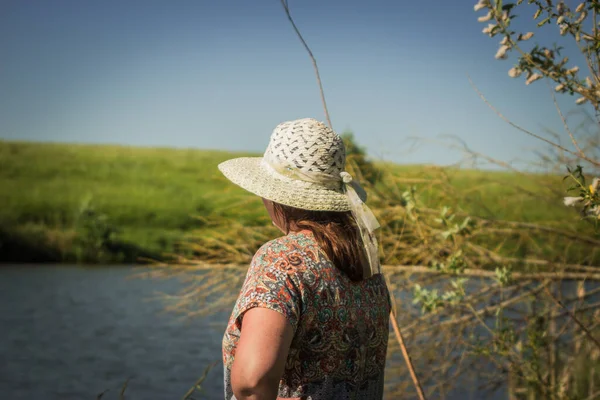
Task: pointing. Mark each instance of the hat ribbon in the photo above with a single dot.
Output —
(365, 219)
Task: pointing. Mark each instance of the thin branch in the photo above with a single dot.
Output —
(487, 310)
(543, 139)
(407, 358)
(574, 318)
(516, 224)
(312, 58)
(594, 396)
(123, 389)
(595, 62)
(392, 318)
(198, 383)
(422, 269)
(589, 273)
(592, 306)
(475, 154)
(544, 263)
(564, 121)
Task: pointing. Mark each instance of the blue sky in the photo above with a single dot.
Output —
(221, 75)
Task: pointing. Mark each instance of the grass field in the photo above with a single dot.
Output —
(152, 197)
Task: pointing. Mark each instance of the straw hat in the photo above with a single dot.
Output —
(303, 167)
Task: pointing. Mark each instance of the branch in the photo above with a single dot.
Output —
(556, 145)
(592, 274)
(422, 269)
(407, 358)
(564, 121)
(574, 318)
(392, 318)
(312, 58)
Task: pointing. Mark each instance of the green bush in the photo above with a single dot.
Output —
(357, 161)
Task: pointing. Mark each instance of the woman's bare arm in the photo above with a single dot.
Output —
(261, 353)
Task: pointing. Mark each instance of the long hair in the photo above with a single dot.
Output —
(335, 232)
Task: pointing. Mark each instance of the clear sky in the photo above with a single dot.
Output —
(221, 74)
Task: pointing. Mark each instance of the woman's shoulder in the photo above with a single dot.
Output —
(291, 241)
(294, 248)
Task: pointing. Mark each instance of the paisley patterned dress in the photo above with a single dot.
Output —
(340, 327)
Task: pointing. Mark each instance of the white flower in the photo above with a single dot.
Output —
(594, 211)
(481, 4)
(581, 100)
(485, 18)
(514, 72)
(526, 36)
(582, 16)
(504, 40)
(488, 29)
(580, 7)
(563, 29)
(572, 201)
(501, 53)
(560, 19)
(573, 70)
(533, 78)
(559, 87)
(595, 186)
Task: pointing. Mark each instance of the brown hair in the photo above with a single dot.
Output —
(335, 232)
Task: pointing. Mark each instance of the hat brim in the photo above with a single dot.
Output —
(249, 174)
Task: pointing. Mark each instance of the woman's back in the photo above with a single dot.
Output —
(340, 327)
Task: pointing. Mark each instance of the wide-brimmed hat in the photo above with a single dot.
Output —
(303, 167)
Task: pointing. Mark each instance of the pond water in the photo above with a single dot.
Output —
(71, 333)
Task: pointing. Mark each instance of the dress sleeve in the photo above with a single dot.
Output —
(270, 283)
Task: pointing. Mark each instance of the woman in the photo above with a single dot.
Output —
(311, 320)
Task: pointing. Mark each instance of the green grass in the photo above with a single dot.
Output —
(154, 196)
(158, 188)
(494, 194)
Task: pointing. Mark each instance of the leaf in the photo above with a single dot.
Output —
(543, 22)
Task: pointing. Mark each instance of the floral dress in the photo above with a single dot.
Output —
(340, 327)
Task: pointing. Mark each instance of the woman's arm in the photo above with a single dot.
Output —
(261, 353)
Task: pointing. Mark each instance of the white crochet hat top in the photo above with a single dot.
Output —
(309, 146)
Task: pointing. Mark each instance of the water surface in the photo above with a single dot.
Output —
(71, 333)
